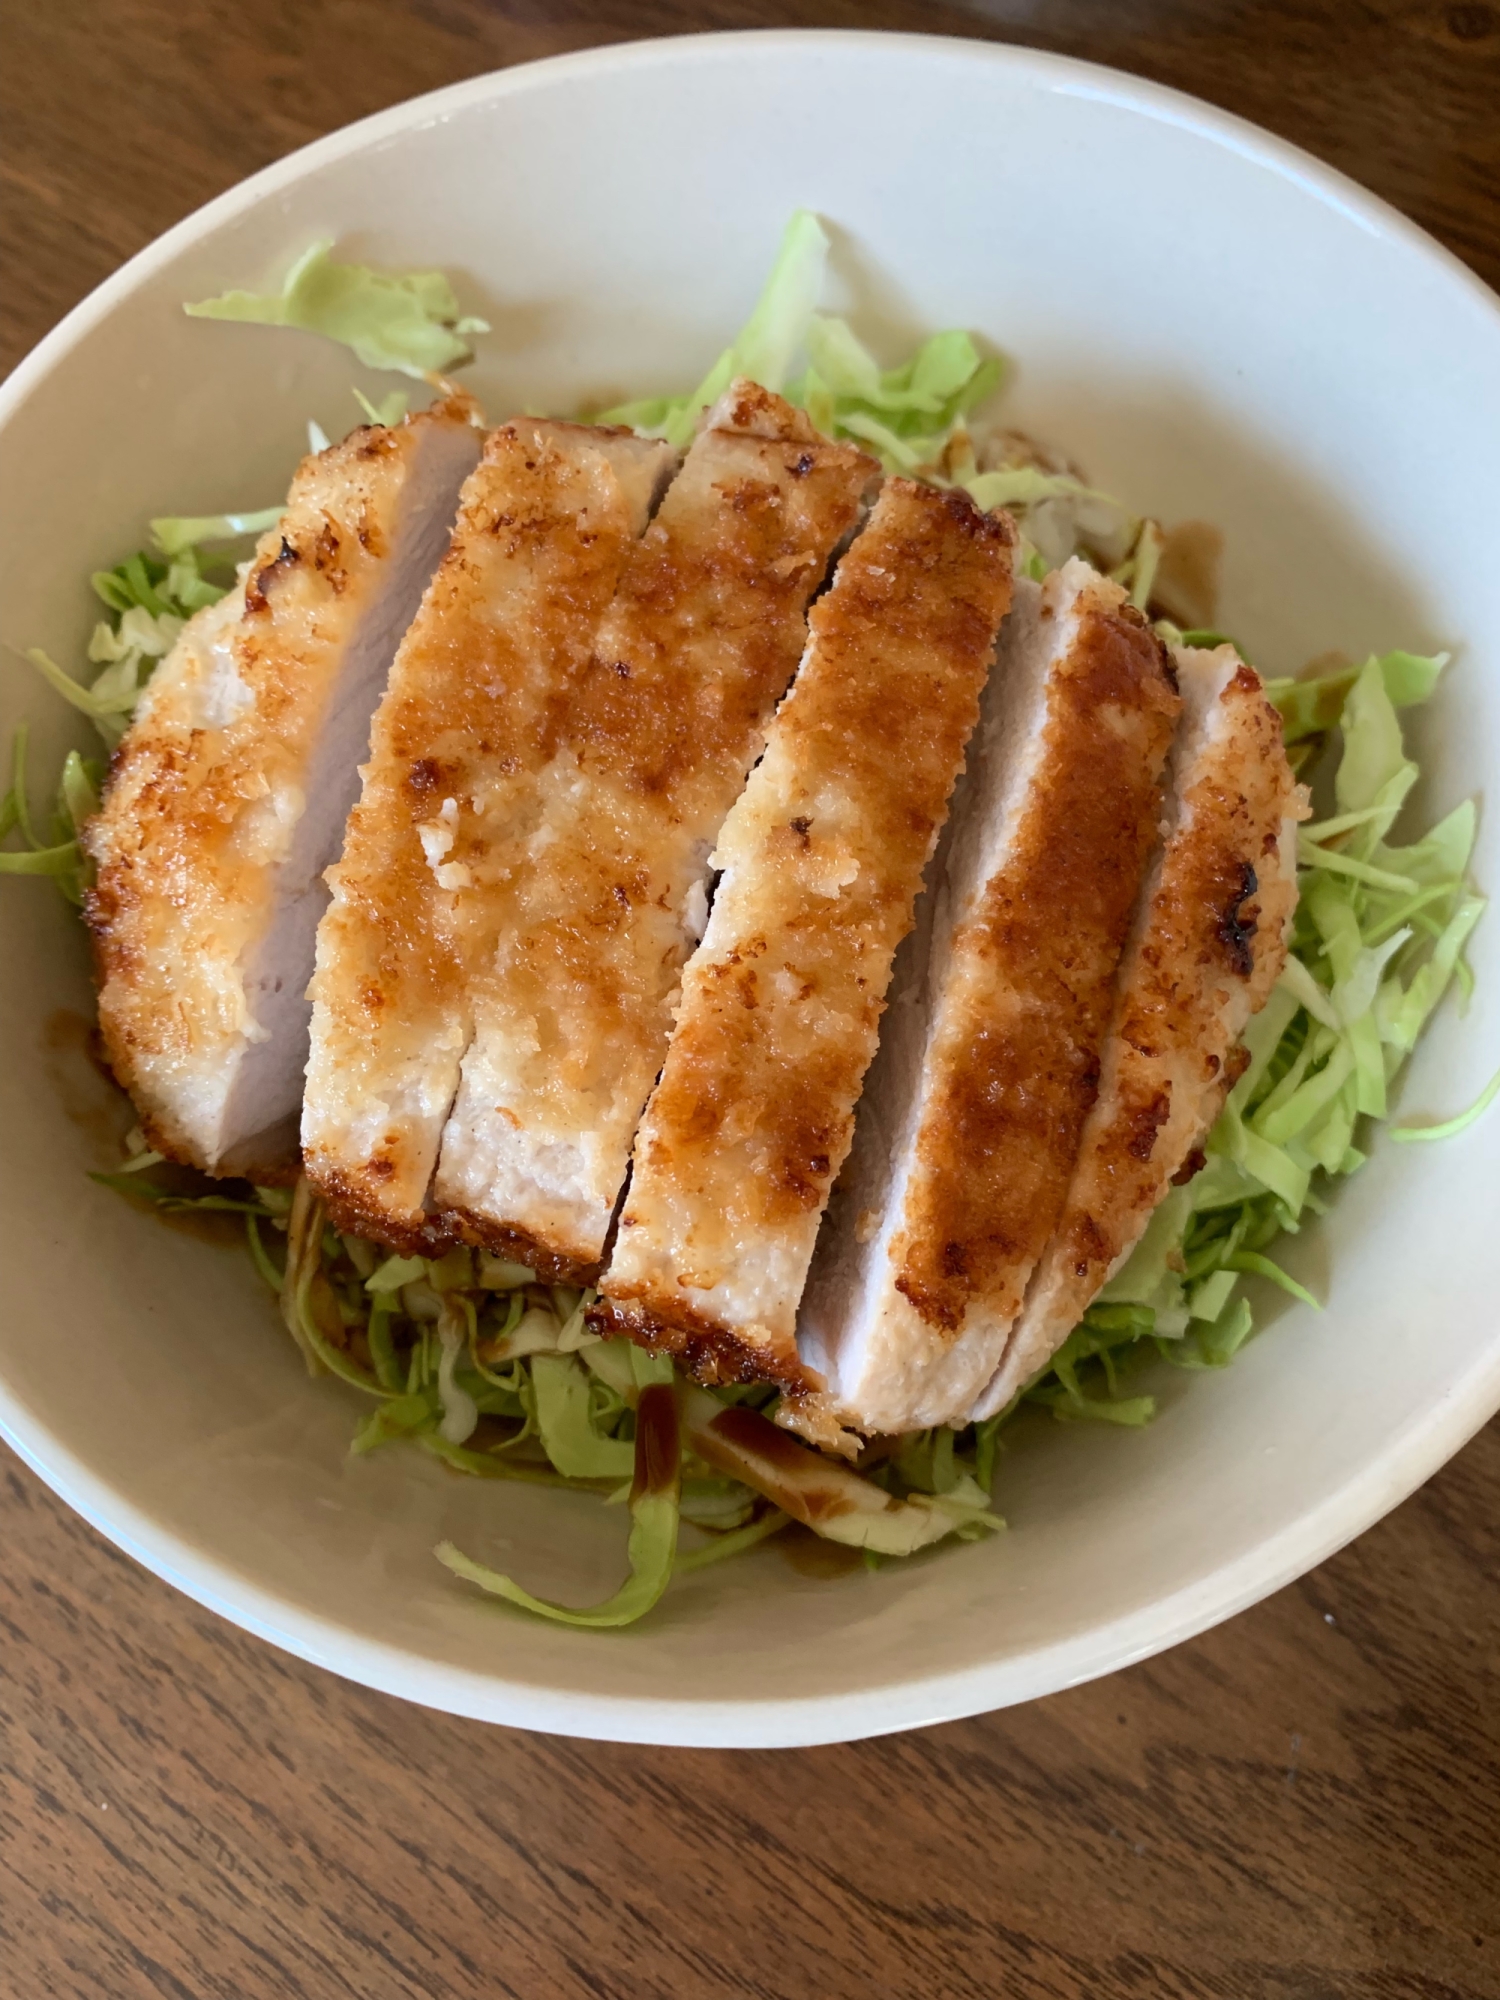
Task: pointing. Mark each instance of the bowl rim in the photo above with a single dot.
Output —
(776, 1722)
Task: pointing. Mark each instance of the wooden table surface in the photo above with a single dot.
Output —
(1301, 1804)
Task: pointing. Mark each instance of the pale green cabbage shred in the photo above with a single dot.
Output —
(472, 1360)
(408, 322)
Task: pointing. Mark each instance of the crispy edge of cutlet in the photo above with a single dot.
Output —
(163, 759)
(631, 728)
(150, 765)
(959, 562)
(699, 1345)
(432, 1233)
(930, 1350)
(559, 1263)
(430, 734)
(1083, 842)
(756, 412)
(1214, 944)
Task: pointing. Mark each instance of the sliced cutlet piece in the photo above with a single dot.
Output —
(822, 859)
(423, 890)
(972, 1113)
(227, 798)
(649, 748)
(1207, 946)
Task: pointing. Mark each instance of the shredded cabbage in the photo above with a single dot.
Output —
(468, 1358)
(906, 415)
(914, 418)
(60, 856)
(566, 1424)
(408, 322)
(1378, 941)
(652, 1549)
(1310, 706)
(148, 599)
(1449, 1128)
(180, 534)
(766, 344)
(389, 410)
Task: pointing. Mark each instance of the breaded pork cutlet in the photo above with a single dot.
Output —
(971, 1116)
(227, 798)
(1209, 942)
(649, 746)
(425, 886)
(822, 859)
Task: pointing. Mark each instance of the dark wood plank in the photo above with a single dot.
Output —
(1300, 1805)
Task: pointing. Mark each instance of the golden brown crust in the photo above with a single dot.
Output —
(1017, 1074)
(198, 792)
(159, 798)
(700, 1347)
(1214, 945)
(824, 851)
(745, 406)
(424, 889)
(349, 1208)
(346, 1199)
(641, 714)
(648, 745)
(557, 1264)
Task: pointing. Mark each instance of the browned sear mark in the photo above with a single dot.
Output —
(268, 575)
(1236, 929)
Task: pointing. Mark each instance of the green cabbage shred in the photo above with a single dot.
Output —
(470, 1358)
(1378, 939)
(913, 417)
(407, 322)
(147, 600)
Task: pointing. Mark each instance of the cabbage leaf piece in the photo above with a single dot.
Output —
(1310, 706)
(175, 534)
(1378, 941)
(564, 1415)
(825, 1495)
(763, 349)
(407, 322)
(60, 855)
(905, 415)
(1450, 1128)
(914, 417)
(654, 1500)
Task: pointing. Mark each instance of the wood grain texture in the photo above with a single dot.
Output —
(1299, 1806)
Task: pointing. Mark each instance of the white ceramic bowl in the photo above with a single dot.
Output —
(1217, 326)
